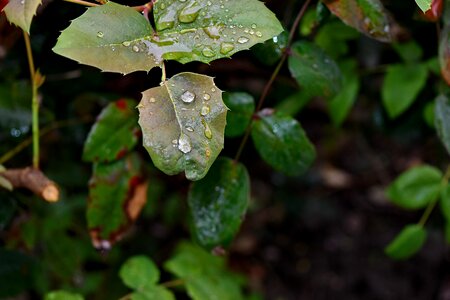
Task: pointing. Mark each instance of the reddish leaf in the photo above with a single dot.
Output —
(3, 4)
(435, 12)
(367, 16)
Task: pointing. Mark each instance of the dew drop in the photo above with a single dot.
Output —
(253, 26)
(206, 97)
(208, 52)
(162, 6)
(135, 48)
(208, 152)
(188, 97)
(213, 90)
(100, 34)
(190, 129)
(207, 132)
(126, 44)
(113, 49)
(226, 48)
(152, 100)
(242, 40)
(205, 110)
(213, 31)
(184, 144)
(258, 34)
(190, 13)
(175, 142)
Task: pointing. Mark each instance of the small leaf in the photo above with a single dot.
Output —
(401, 86)
(242, 106)
(410, 51)
(314, 70)
(218, 203)
(282, 143)
(63, 295)
(183, 123)
(114, 133)
(445, 202)
(21, 12)
(333, 38)
(442, 120)
(416, 187)
(407, 243)
(117, 193)
(153, 292)
(204, 274)
(424, 5)
(367, 16)
(138, 272)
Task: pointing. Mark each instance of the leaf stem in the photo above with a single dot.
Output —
(173, 283)
(426, 214)
(163, 69)
(81, 2)
(34, 101)
(274, 75)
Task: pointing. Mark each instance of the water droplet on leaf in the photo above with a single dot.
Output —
(242, 40)
(100, 34)
(188, 97)
(205, 110)
(126, 44)
(253, 26)
(258, 34)
(184, 144)
(135, 48)
(206, 97)
(226, 48)
(190, 129)
(190, 13)
(152, 100)
(208, 52)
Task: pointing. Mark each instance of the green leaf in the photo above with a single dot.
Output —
(424, 4)
(407, 243)
(153, 292)
(242, 106)
(416, 187)
(410, 51)
(218, 203)
(401, 86)
(204, 274)
(117, 38)
(445, 202)
(293, 104)
(271, 51)
(63, 295)
(21, 12)
(314, 70)
(282, 143)
(442, 120)
(367, 16)
(333, 38)
(114, 133)
(117, 192)
(138, 272)
(428, 114)
(183, 123)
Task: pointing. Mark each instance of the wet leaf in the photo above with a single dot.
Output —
(445, 202)
(416, 187)
(242, 106)
(367, 16)
(314, 70)
(282, 143)
(205, 275)
(442, 120)
(183, 123)
(138, 272)
(407, 243)
(401, 86)
(117, 38)
(153, 292)
(114, 133)
(424, 5)
(117, 193)
(271, 51)
(218, 203)
(63, 295)
(21, 12)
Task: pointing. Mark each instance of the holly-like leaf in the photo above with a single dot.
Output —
(424, 5)
(416, 187)
(242, 106)
(314, 70)
(138, 272)
(401, 86)
(442, 120)
(62, 295)
(367, 16)
(218, 203)
(205, 275)
(21, 12)
(117, 38)
(407, 243)
(117, 193)
(183, 123)
(282, 143)
(114, 133)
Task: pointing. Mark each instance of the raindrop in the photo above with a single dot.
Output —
(113, 49)
(226, 48)
(208, 152)
(190, 129)
(242, 40)
(182, 0)
(386, 28)
(246, 30)
(212, 31)
(175, 142)
(208, 52)
(22, 2)
(252, 32)
(206, 97)
(207, 132)
(205, 110)
(190, 13)
(258, 34)
(253, 26)
(100, 34)
(183, 144)
(209, 3)
(188, 97)
(152, 100)
(135, 48)
(162, 6)
(213, 90)
(126, 44)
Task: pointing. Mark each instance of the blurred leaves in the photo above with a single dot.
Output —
(16, 272)
(242, 106)
(62, 295)
(407, 243)
(442, 120)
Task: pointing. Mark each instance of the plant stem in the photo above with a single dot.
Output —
(163, 69)
(273, 77)
(34, 102)
(81, 2)
(426, 214)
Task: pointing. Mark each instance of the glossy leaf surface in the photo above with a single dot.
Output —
(117, 193)
(282, 143)
(401, 86)
(205, 275)
(183, 123)
(367, 16)
(138, 272)
(21, 12)
(117, 38)
(416, 187)
(218, 203)
(314, 70)
(442, 120)
(407, 243)
(114, 133)
(242, 106)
